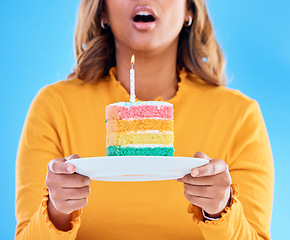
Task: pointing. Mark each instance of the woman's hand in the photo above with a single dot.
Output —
(68, 191)
(208, 186)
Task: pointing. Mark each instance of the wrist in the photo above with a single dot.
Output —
(216, 216)
(60, 220)
(210, 217)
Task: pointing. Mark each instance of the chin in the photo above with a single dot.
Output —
(144, 47)
(145, 44)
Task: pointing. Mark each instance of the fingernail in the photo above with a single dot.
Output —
(88, 181)
(194, 173)
(70, 168)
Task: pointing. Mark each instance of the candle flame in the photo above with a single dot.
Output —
(133, 59)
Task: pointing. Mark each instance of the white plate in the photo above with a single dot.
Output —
(136, 168)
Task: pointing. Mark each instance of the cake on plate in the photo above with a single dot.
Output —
(143, 128)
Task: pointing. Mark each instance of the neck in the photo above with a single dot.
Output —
(155, 73)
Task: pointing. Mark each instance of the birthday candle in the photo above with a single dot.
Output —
(132, 80)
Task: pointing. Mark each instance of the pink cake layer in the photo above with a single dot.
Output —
(139, 112)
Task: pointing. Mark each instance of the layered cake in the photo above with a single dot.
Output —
(140, 129)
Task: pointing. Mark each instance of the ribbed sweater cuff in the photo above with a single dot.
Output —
(75, 222)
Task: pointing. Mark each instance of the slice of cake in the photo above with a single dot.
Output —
(140, 129)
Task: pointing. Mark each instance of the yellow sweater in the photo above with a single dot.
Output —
(69, 117)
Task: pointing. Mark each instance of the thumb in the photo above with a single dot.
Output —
(59, 166)
(201, 155)
(74, 156)
(71, 168)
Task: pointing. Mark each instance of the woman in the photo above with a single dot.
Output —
(179, 61)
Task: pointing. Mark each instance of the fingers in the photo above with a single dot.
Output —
(68, 181)
(68, 191)
(197, 200)
(210, 192)
(59, 165)
(201, 155)
(214, 167)
(212, 197)
(188, 179)
(211, 206)
(208, 186)
(74, 156)
(60, 175)
(77, 193)
(65, 194)
(69, 206)
(199, 191)
(66, 200)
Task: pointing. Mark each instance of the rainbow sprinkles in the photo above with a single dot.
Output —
(140, 129)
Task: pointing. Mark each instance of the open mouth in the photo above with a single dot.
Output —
(144, 16)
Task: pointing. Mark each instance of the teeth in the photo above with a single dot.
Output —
(143, 13)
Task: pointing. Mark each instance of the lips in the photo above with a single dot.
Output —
(144, 18)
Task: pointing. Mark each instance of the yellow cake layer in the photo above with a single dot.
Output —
(139, 125)
(124, 139)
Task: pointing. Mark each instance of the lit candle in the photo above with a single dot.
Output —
(132, 80)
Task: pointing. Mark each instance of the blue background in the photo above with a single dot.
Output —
(37, 49)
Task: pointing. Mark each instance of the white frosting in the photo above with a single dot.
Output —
(147, 145)
(151, 131)
(144, 118)
(141, 103)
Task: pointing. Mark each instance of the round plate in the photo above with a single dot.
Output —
(136, 168)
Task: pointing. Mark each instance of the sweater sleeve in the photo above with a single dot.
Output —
(251, 168)
(39, 144)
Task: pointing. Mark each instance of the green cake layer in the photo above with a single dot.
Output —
(147, 151)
